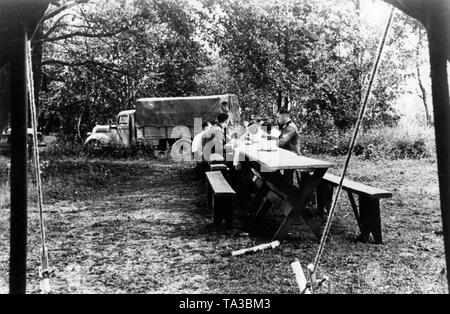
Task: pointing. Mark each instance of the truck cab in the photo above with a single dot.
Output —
(123, 133)
(126, 127)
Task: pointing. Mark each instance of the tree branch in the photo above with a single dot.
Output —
(84, 63)
(62, 8)
(54, 13)
(82, 34)
(55, 25)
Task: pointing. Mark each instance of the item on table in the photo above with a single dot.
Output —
(275, 133)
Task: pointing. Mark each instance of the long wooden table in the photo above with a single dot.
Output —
(269, 163)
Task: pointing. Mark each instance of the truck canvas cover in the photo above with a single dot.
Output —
(175, 111)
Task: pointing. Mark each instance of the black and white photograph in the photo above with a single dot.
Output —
(226, 153)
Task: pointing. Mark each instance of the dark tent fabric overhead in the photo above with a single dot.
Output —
(4, 96)
(427, 12)
(28, 12)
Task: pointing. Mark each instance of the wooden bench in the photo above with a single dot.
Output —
(213, 163)
(211, 166)
(217, 167)
(368, 213)
(220, 198)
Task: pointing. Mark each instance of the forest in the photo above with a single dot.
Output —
(92, 59)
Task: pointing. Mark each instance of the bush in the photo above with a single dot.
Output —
(381, 143)
(141, 150)
(65, 148)
(396, 143)
(410, 149)
(311, 143)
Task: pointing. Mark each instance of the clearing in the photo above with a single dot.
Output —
(144, 227)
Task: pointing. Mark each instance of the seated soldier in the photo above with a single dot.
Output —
(197, 147)
(214, 139)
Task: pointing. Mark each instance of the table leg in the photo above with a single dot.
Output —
(258, 198)
(263, 208)
(298, 199)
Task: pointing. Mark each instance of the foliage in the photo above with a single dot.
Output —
(314, 56)
(63, 147)
(128, 49)
(66, 147)
(140, 151)
(376, 143)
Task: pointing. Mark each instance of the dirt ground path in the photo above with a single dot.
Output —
(151, 235)
(150, 232)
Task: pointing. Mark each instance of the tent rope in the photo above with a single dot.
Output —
(352, 144)
(44, 270)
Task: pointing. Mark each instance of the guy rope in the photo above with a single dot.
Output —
(307, 287)
(44, 271)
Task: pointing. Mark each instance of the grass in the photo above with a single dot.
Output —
(136, 226)
(4, 182)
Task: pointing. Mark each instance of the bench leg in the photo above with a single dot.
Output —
(227, 210)
(222, 210)
(370, 219)
(302, 180)
(209, 197)
(324, 197)
(203, 169)
(355, 210)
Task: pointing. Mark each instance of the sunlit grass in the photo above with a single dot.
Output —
(4, 195)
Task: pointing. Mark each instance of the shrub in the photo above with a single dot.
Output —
(396, 143)
(313, 144)
(141, 150)
(64, 148)
(410, 149)
(381, 143)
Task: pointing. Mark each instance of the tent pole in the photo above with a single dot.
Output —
(19, 111)
(437, 37)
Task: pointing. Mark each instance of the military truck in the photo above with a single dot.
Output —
(160, 122)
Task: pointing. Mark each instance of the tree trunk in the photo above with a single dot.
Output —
(36, 55)
(280, 99)
(79, 124)
(424, 95)
(419, 79)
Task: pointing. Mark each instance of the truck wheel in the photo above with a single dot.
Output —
(181, 150)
